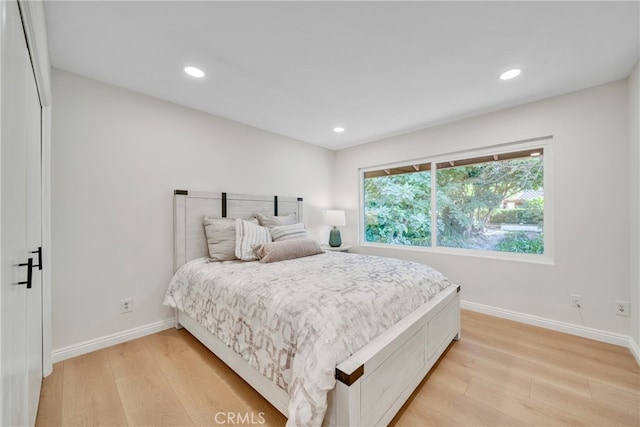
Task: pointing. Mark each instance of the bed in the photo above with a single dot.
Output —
(368, 385)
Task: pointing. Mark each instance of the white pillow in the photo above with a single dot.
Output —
(249, 235)
(288, 232)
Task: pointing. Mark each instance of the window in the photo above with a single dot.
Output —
(398, 205)
(492, 202)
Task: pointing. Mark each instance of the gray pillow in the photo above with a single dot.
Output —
(274, 221)
(287, 249)
(221, 238)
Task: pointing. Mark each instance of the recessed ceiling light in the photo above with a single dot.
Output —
(535, 153)
(338, 129)
(509, 74)
(194, 72)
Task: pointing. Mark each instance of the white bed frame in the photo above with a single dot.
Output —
(374, 383)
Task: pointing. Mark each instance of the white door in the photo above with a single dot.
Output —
(13, 178)
(34, 244)
(20, 308)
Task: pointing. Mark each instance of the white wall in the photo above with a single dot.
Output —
(634, 197)
(117, 156)
(591, 207)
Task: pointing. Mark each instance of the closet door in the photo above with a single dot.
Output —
(34, 245)
(13, 158)
(20, 366)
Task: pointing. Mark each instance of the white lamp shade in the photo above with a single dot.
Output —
(333, 217)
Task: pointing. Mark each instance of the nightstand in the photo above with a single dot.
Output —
(342, 248)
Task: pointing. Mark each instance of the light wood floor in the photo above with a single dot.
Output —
(501, 373)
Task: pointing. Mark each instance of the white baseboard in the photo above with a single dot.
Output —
(567, 328)
(68, 352)
(85, 347)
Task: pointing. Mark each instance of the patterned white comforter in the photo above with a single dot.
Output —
(295, 321)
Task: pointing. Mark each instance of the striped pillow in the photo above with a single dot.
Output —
(288, 232)
(249, 235)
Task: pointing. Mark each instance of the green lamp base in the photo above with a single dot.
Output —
(334, 238)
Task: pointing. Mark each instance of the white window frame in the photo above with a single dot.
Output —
(542, 142)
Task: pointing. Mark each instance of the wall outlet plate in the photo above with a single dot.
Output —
(621, 308)
(126, 305)
(576, 301)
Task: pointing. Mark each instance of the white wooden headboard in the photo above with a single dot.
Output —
(189, 207)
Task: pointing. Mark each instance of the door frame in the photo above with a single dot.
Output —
(33, 21)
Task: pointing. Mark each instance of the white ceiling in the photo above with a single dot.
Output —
(375, 68)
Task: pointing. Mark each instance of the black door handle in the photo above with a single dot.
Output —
(39, 252)
(29, 265)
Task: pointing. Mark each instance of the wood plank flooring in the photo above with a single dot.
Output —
(501, 373)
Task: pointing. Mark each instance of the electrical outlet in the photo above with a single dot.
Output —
(126, 305)
(621, 308)
(576, 301)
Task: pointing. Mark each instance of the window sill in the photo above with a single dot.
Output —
(502, 256)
